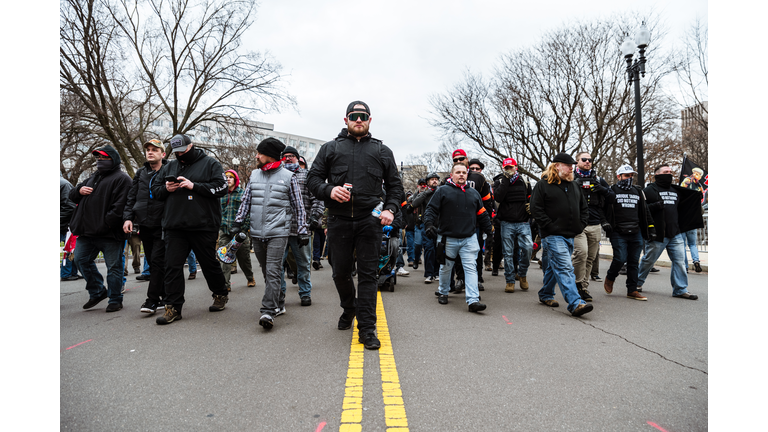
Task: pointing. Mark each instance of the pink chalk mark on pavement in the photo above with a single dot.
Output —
(320, 427)
(505, 319)
(78, 344)
(657, 426)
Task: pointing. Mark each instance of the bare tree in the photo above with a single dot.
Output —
(190, 54)
(568, 93)
(76, 141)
(93, 68)
(692, 76)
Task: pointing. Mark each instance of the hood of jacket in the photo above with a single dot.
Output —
(237, 178)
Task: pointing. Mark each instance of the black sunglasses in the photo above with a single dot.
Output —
(586, 159)
(475, 169)
(459, 159)
(358, 116)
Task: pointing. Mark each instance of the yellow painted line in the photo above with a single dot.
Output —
(394, 408)
(352, 407)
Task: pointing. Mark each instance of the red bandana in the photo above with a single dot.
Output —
(450, 181)
(272, 165)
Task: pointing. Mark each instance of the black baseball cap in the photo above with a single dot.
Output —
(351, 107)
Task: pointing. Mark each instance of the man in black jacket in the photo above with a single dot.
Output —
(675, 210)
(586, 245)
(561, 213)
(419, 201)
(452, 215)
(191, 220)
(629, 222)
(98, 223)
(144, 214)
(355, 164)
(67, 271)
(513, 195)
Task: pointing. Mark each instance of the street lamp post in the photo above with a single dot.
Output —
(634, 71)
(236, 165)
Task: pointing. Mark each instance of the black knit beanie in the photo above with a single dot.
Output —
(271, 147)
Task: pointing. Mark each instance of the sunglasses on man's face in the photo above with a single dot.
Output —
(475, 169)
(358, 116)
(459, 159)
(586, 160)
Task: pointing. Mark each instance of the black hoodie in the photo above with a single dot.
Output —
(100, 214)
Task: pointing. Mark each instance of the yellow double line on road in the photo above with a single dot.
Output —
(352, 407)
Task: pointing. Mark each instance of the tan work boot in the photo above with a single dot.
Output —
(524, 283)
(510, 287)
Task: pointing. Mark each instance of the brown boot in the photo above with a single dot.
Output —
(523, 283)
(510, 287)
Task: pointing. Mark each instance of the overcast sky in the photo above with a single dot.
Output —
(394, 54)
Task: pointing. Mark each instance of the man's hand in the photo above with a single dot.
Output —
(185, 183)
(235, 228)
(127, 227)
(340, 194)
(303, 240)
(171, 186)
(85, 190)
(387, 217)
(430, 232)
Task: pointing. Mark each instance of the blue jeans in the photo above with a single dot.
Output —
(419, 244)
(626, 249)
(86, 251)
(69, 268)
(467, 249)
(409, 239)
(318, 241)
(522, 232)
(676, 251)
(558, 268)
(690, 243)
(145, 272)
(191, 261)
(302, 268)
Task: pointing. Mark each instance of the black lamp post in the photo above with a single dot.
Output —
(236, 165)
(634, 70)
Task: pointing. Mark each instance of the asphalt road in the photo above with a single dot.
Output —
(518, 366)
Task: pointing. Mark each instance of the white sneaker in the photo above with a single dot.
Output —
(429, 280)
(280, 311)
(402, 272)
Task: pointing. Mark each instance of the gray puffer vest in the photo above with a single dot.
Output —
(271, 211)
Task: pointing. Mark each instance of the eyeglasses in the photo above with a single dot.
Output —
(475, 169)
(291, 156)
(358, 116)
(586, 160)
(459, 159)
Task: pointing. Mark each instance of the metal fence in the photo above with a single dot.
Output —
(702, 235)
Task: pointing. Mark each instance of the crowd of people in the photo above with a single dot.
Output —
(186, 207)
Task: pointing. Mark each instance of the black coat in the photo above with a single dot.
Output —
(456, 213)
(512, 199)
(644, 215)
(559, 209)
(66, 206)
(198, 209)
(100, 214)
(365, 164)
(140, 208)
(688, 209)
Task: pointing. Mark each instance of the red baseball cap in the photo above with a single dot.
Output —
(508, 162)
(458, 152)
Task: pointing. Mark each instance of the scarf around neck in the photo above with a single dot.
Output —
(272, 165)
(450, 181)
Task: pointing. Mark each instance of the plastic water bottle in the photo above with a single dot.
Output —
(377, 211)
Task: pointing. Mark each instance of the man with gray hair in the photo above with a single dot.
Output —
(273, 200)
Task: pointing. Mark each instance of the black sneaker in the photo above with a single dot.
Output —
(476, 307)
(654, 270)
(596, 278)
(306, 301)
(369, 341)
(416, 265)
(114, 307)
(459, 287)
(266, 321)
(142, 277)
(170, 315)
(495, 272)
(149, 307)
(94, 301)
(585, 295)
(69, 278)
(480, 287)
(697, 267)
(346, 320)
(442, 299)
(316, 265)
(219, 302)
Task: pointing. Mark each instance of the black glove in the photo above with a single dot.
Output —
(430, 232)
(314, 223)
(652, 232)
(235, 228)
(658, 205)
(597, 187)
(303, 240)
(607, 228)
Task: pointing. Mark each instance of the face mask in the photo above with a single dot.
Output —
(186, 157)
(664, 180)
(625, 184)
(104, 165)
